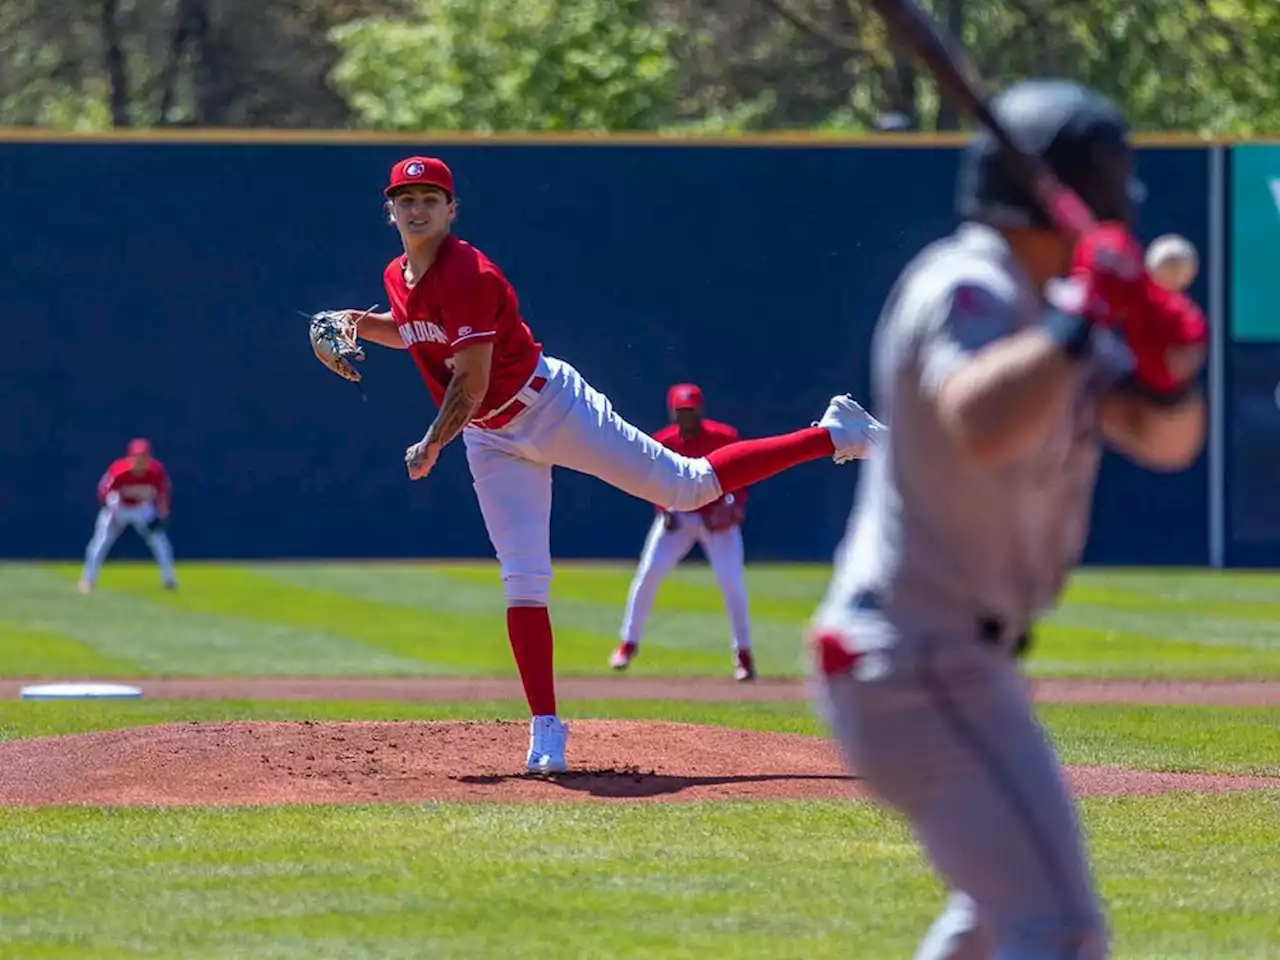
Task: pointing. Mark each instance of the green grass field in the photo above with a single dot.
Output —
(1185, 875)
(448, 619)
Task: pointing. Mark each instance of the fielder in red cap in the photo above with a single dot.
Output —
(521, 412)
(717, 527)
(134, 492)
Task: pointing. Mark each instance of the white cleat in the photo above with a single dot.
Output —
(548, 736)
(854, 432)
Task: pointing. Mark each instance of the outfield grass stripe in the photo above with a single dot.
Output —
(396, 638)
(1178, 625)
(148, 627)
(1173, 602)
(785, 591)
(419, 618)
(1062, 651)
(1198, 586)
(438, 617)
(27, 651)
(690, 634)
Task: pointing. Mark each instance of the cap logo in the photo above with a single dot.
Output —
(414, 168)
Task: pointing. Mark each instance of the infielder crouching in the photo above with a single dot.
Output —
(135, 491)
(716, 526)
(1004, 357)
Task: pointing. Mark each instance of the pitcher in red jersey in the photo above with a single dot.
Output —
(717, 527)
(521, 412)
(135, 491)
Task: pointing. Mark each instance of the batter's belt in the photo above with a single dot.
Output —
(987, 628)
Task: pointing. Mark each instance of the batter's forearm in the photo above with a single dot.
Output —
(462, 399)
(1002, 401)
(1155, 436)
(381, 329)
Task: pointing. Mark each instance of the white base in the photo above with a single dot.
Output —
(80, 691)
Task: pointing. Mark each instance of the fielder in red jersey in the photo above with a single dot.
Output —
(135, 491)
(716, 527)
(521, 412)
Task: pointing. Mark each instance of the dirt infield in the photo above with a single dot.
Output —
(253, 763)
(1170, 692)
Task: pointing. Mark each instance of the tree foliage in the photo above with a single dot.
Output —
(89, 64)
(1208, 66)
(491, 65)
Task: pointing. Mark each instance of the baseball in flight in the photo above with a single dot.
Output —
(1173, 262)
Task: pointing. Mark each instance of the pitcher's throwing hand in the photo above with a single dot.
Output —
(420, 458)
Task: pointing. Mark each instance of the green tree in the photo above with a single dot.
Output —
(503, 65)
(1208, 66)
(121, 63)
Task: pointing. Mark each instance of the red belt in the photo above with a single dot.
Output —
(504, 415)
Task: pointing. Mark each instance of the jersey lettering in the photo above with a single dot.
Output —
(421, 331)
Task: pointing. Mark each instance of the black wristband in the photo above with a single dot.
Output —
(1072, 332)
(1166, 398)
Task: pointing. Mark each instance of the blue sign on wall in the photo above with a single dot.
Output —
(155, 289)
(1255, 233)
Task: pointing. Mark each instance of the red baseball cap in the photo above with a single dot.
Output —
(684, 396)
(139, 448)
(420, 172)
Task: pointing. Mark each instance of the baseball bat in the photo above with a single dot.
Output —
(958, 81)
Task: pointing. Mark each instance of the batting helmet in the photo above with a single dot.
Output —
(1077, 131)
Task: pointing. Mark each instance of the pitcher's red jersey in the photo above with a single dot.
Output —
(463, 299)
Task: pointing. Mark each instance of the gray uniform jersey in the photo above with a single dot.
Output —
(934, 534)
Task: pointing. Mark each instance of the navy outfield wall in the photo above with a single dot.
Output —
(154, 288)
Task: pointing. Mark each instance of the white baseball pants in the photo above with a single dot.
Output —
(108, 527)
(570, 424)
(664, 549)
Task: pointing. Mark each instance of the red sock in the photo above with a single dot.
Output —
(529, 629)
(741, 464)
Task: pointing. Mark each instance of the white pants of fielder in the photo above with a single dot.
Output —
(568, 424)
(664, 549)
(111, 523)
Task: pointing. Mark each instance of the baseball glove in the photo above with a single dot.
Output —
(334, 342)
(157, 523)
(722, 514)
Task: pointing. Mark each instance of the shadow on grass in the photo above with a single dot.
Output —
(633, 782)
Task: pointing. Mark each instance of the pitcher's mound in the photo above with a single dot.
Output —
(309, 762)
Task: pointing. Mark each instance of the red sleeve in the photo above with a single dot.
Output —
(470, 305)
